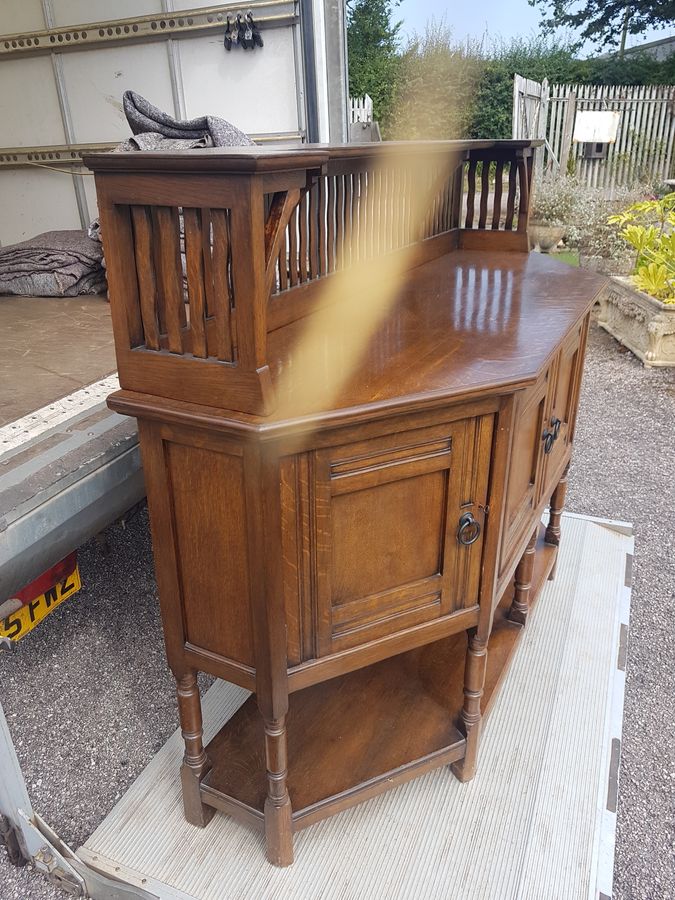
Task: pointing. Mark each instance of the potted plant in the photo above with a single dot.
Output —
(601, 248)
(552, 206)
(639, 310)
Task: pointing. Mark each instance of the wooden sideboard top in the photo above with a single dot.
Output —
(463, 324)
(280, 157)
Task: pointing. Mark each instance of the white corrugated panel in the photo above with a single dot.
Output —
(29, 105)
(21, 15)
(253, 89)
(96, 79)
(528, 826)
(35, 200)
(76, 12)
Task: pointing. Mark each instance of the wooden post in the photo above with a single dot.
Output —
(474, 681)
(278, 821)
(523, 582)
(552, 535)
(195, 761)
(568, 130)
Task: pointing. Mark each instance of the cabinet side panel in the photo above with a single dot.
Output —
(207, 488)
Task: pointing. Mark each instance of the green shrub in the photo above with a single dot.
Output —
(649, 228)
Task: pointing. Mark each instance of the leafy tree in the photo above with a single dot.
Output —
(606, 22)
(535, 58)
(372, 46)
(437, 81)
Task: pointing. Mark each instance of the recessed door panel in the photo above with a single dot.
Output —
(562, 408)
(386, 517)
(524, 478)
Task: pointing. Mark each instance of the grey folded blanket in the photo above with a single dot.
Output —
(156, 130)
(53, 264)
(143, 117)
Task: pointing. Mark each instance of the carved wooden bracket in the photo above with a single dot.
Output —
(283, 204)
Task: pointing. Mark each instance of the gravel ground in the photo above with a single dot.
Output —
(89, 699)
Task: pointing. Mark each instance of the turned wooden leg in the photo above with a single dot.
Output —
(523, 583)
(557, 505)
(278, 824)
(195, 761)
(474, 680)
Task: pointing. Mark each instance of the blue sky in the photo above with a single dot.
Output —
(503, 18)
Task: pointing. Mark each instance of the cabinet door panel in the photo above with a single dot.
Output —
(386, 515)
(562, 407)
(522, 492)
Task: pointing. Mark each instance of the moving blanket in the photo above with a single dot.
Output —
(143, 117)
(53, 264)
(156, 130)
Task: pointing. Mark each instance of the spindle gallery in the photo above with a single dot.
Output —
(356, 399)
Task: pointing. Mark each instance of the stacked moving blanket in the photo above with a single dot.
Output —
(53, 264)
(156, 130)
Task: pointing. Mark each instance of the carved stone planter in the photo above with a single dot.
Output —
(644, 325)
(545, 236)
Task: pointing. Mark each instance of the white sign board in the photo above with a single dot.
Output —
(596, 126)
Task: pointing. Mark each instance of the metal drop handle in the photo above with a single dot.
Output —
(548, 437)
(469, 530)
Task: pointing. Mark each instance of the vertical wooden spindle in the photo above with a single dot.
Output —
(147, 285)
(302, 213)
(471, 195)
(330, 215)
(497, 206)
(222, 293)
(293, 253)
(484, 194)
(511, 198)
(194, 267)
(170, 273)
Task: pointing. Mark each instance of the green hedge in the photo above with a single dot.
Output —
(437, 88)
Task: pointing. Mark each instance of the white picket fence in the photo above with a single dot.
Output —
(361, 109)
(643, 149)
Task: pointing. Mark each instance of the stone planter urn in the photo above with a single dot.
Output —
(545, 236)
(644, 325)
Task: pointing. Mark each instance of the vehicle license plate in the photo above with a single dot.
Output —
(19, 623)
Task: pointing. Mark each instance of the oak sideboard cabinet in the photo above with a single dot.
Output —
(356, 394)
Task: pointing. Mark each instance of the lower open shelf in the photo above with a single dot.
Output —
(348, 739)
(357, 735)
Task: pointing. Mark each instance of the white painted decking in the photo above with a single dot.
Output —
(537, 821)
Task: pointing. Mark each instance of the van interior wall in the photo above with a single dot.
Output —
(55, 104)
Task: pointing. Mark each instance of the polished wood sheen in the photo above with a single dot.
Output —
(355, 536)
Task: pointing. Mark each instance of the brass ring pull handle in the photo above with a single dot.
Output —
(548, 437)
(555, 425)
(469, 530)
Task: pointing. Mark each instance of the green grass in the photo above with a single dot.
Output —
(571, 257)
